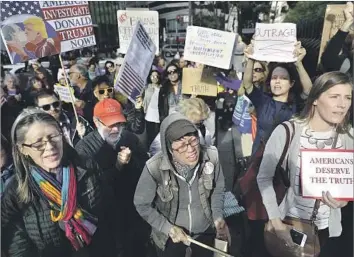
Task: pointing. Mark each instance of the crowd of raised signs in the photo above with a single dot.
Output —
(105, 177)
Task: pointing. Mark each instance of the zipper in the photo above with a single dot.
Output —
(189, 208)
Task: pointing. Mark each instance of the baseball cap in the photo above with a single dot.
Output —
(109, 112)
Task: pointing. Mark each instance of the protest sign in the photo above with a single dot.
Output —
(32, 30)
(209, 46)
(333, 20)
(196, 81)
(327, 170)
(127, 21)
(137, 64)
(275, 42)
(64, 93)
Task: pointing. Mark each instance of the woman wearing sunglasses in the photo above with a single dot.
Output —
(171, 91)
(150, 103)
(54, 200)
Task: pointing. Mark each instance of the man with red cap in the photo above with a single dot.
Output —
(120, 157)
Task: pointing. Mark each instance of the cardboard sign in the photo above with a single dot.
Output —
(64, 93)
(197, 81)
(209, 46)
(137, 63)
(334, 19)
(275, 42)
(127, 21)
(327, 170)
(32, 30)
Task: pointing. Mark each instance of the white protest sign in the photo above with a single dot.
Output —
(137, 64)
(209, 46)
(127, 21)
(63, 92)
(327, 170)
(275, 42)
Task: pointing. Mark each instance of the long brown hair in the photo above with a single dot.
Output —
(321, 85)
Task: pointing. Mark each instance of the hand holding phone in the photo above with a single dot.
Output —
(298, 237)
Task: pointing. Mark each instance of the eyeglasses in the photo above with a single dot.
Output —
(171, 72)
(104, 91)
(47, 107)
(194, 141)
(258, 70)
(41, 145)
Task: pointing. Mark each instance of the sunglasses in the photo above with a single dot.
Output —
(46, 107)
(171, 72)
(258, 70)
(109, 67)
(154, 76)
(104, 91)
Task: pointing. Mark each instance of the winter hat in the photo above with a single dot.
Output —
(178, 129)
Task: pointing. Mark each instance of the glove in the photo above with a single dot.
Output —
(178, 235)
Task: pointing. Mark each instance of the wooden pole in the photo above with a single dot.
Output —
(67, 84)
(209, 248)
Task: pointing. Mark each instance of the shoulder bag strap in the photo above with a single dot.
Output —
(289, 139)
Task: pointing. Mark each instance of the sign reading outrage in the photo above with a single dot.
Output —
(327, 170)
(37, 29)
(127, 20)
(275, 42)
(209, 46)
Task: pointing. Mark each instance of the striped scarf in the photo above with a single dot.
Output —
(79, 225)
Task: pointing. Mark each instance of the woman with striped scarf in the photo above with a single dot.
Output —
(53, 205)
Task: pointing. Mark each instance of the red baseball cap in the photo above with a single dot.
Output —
(109, 112)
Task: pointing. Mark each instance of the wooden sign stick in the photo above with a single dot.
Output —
(209, 248)
(67, 84)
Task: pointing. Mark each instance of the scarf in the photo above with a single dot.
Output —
(79, 225)
(184, 170)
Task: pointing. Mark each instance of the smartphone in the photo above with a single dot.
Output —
(298, 237)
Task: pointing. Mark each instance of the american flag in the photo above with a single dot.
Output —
(9, 9)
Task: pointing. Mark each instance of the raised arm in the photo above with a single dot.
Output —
(305, 79)
(247, 82)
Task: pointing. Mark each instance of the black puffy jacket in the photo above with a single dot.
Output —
(27, 229)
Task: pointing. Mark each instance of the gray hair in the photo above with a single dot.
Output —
(194, 109)
(15, 79)
(82, 70)
(22, 163)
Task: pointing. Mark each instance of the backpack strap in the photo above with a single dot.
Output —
(289, 139)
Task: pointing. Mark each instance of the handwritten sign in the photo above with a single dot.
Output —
(327, 170)
(275, 42)
(63, 92)
(36, 29)
(196, 81)
(127, 21)
(334, 19)
(132, 75)
(209, 46)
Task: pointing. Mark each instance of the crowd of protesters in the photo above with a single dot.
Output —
(85, 184)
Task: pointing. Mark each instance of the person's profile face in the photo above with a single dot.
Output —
(30, 32)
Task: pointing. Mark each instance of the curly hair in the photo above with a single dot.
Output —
(195, 109)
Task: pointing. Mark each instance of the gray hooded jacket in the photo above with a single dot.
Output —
(164, 199)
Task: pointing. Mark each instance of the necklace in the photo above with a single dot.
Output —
(320, 143)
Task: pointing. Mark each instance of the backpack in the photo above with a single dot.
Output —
(246, 188)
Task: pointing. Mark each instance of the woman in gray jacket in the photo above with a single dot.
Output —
(324, 116)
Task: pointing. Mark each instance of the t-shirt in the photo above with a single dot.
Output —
(303, 206)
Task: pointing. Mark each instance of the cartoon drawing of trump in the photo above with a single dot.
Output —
(36, 32)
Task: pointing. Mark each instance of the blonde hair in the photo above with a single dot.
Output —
(38, 25)
(195, 109)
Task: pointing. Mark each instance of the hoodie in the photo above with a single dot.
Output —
(164, 198)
